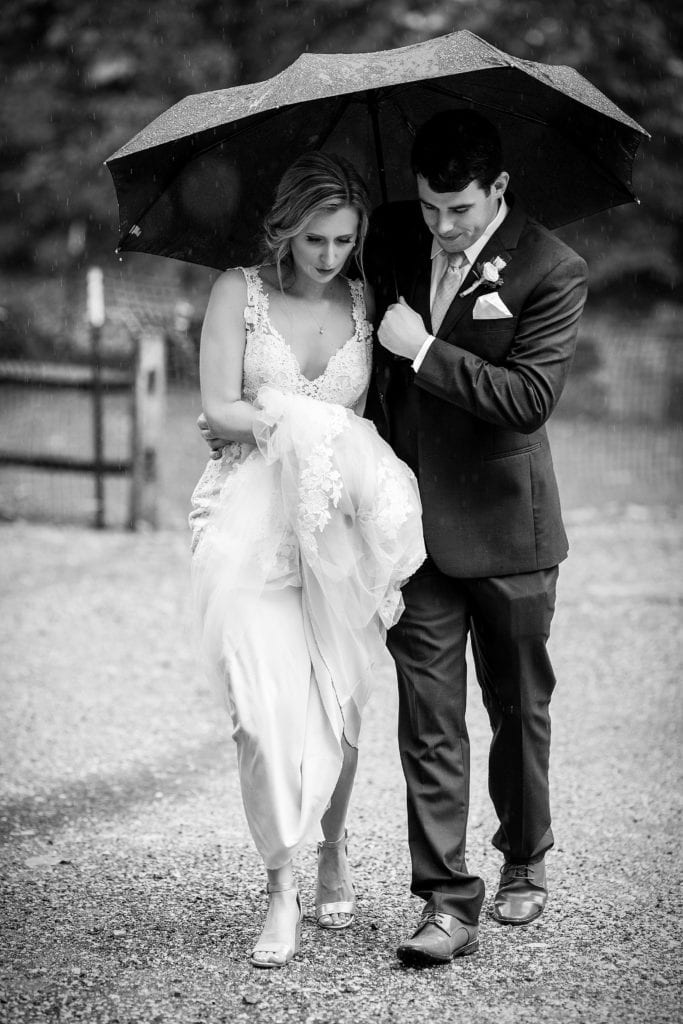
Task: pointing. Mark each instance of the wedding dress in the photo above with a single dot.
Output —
(301, 542)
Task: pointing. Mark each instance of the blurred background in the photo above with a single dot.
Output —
(81, 78)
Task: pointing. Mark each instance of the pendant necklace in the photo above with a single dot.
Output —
(319, 324)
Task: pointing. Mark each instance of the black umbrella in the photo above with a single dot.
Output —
(195, 183)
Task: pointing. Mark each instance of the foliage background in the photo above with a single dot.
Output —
(81, 77)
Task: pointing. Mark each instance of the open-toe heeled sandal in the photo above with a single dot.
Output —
(337, 897)
(271, 950)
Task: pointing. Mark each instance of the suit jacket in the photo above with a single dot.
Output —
(471, 421)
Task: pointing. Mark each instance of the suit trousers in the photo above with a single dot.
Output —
(508, 620)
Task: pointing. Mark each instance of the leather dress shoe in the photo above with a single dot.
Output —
(437, 939)
(522, 893)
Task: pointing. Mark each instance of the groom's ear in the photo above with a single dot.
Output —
(500, 184)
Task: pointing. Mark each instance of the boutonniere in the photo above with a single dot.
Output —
(487, 275)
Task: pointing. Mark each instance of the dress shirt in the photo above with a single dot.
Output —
(439, 260)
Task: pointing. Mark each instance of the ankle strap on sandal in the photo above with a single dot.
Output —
(334, 844)
(281, 887)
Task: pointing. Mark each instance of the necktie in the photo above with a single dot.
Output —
(448, 286)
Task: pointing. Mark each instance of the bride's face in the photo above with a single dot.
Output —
(323, 246)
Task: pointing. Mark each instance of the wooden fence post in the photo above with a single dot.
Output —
(143, 378)
(96, 317)
(147, 418)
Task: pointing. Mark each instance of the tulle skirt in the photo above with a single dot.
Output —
(301, 544)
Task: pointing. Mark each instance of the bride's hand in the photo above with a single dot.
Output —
(216, 444)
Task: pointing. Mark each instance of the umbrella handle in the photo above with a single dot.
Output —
(379, 153)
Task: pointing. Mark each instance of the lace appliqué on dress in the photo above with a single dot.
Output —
(320, 486)
(209, 487)
(392, 506)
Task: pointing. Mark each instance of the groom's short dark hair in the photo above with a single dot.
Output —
(456, 147)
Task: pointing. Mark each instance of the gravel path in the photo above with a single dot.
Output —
(131, 889)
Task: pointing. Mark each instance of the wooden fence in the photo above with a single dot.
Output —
(142, 377)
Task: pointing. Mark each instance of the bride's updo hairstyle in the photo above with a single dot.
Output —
(315, 183)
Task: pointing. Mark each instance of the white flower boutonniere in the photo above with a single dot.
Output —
(488, 275)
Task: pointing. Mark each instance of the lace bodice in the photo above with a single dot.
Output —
(268, 359)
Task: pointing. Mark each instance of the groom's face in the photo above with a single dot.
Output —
(458, 219)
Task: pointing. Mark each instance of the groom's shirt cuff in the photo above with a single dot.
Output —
(419, 358)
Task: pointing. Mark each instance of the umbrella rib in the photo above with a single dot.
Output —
(522, 116)
(263, 119)
(259, 119)
(342, 104)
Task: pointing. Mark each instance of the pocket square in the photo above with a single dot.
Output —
(490, 307)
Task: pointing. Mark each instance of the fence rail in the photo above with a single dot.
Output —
(76, 375)
(142, 380)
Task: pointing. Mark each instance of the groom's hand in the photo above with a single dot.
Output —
(216, 444)
(402, 330)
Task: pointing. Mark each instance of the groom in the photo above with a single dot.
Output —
(471, 362)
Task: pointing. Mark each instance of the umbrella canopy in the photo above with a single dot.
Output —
(196, 182)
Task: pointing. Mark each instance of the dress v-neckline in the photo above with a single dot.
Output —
(285, 344)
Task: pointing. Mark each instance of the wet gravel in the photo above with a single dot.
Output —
(131, 891)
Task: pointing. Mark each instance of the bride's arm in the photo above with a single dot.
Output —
(221, 357)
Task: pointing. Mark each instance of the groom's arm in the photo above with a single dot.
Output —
(523, 390)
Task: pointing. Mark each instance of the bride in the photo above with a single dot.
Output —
(305, 526)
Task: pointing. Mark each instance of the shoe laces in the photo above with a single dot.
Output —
(442, 921)
(435, 918)
(517, 870)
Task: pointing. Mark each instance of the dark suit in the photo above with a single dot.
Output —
(470, 423)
